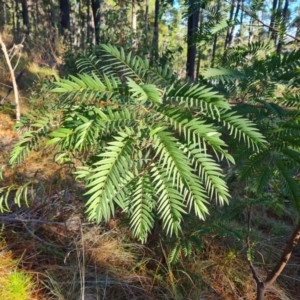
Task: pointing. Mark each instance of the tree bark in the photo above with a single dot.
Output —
(25, 15)
(193, 21)
(260, 294)
(64, 15)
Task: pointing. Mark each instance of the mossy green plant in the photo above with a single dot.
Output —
(16, 285)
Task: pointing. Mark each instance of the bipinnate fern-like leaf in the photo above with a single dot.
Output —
(36, 129)
(103, 182)
(223, 74)
(148, 144)
(141, 207)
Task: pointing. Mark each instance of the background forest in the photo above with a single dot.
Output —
(149, 149)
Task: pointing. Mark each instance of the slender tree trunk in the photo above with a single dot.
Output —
(13, 79)
(156, 28)
(36, 15)
(230, 37)
(277, 23)
(88, 30)
(90, 25)
(133, 16)
(64, 15)
(52, 13)
(193, 21)
(285, 20)
(82, 26)
(260, 293)
(25, 15)
(133, 22)
(199, 50)
(146, 16)
(198, 63)
(97, 19)
(3, 17)
(17, 17)
(227, 40)
(272, 33)
(214, 49)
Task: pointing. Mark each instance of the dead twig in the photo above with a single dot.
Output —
(13, 79)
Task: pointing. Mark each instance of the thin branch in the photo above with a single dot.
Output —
(38, 221)
(286, 254)
(254, 274)
(18, 219)
(40, 239)
(12, 73)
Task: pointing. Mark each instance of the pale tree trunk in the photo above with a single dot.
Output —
(13, 79)
(133, 16)
(97, 19)
(133, 23)
(90, 24)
